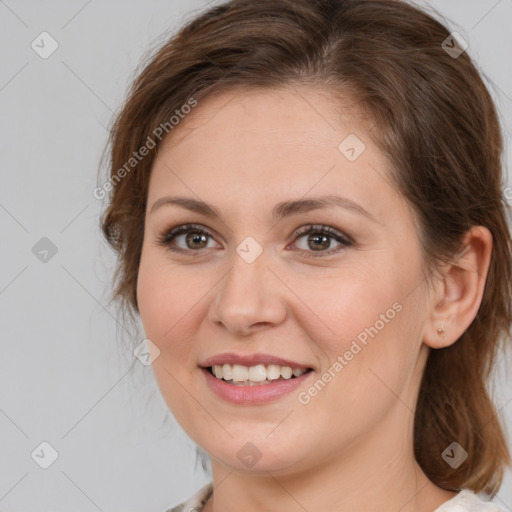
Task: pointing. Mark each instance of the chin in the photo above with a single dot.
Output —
(255, 455)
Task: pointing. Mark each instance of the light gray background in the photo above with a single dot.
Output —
(64, 377)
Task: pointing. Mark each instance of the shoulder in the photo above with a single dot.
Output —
(468, 501)
(196, 502)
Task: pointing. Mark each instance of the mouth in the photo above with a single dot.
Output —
(251, 379)
(257, 384)
(241, 375)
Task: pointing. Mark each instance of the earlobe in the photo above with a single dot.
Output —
(462, 287)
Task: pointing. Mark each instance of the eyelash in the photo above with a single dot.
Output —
(166, 238)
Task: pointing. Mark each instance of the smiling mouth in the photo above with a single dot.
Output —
(240, 375)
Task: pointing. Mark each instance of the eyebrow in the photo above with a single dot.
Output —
(280, 210)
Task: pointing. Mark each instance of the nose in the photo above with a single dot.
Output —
(249, 298)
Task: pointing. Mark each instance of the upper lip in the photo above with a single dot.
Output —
(251, 360)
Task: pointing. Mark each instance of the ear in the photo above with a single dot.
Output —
(458, 294)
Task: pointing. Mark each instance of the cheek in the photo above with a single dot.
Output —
(152, 298)
(363, 322)
(345, 304)
(166, 309)
(173, 308)
(164, 296)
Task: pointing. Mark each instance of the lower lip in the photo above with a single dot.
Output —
(252, 394)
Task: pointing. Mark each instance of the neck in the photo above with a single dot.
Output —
(369, 475)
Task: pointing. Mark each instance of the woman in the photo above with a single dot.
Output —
(306, 200)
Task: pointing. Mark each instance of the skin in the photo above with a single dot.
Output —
(351, 447)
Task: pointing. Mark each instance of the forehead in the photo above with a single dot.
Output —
(289, 113)
(272, 144)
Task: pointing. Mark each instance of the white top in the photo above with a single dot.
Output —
(465, 501)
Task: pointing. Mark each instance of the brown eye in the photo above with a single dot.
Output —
(319, 239)
(186, 238)
(196, 240)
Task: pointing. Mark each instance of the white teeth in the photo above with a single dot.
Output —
(226, 372)
(286, 372)
(259, 373)
(273, 372)
(240, 373)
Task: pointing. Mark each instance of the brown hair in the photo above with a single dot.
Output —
(431, 115)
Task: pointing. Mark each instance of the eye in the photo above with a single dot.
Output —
(193, 237)
(320, 237)
(317, 239)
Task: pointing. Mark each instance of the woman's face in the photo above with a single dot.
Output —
(350, 305)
